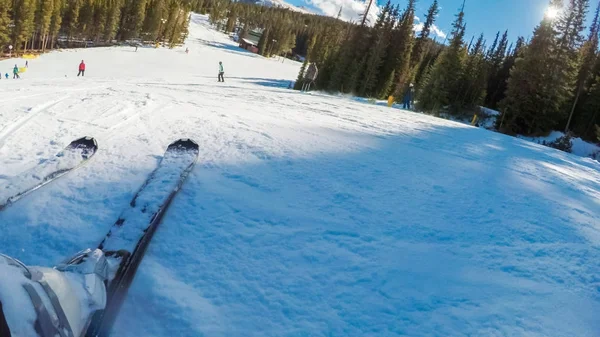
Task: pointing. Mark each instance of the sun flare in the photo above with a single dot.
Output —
(552, 12)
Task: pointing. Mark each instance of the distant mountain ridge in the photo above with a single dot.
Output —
(280, 4)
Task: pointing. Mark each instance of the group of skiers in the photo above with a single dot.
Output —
(81, 72)
(15, 72)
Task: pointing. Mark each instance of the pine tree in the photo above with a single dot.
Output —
(376, 53)
(495, 59)
(71, 17)
(496, 92)
(55, 21)
(567, 62)
(441, 85)
(589, 112)
(23, 13)
(492, 51)
(262, 43)
(500, 53)
(218, 12)
(432, 51)
(5, 31)
(177, 24)
(112, 19)
(589, 106)
(86, 14)
(231, 19)
(357, 61)
(342, 59)
(45, 18)
(587, 56)
(351, 60)
(534, 97)
(132, 18)
(171, 15)
(387, 71)
(473, 82)
(421, 42)
(37, 23)
(406, 40)
(153, 25)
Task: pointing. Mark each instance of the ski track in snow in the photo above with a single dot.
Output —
(307, 214)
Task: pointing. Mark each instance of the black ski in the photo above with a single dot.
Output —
(131, 234)
(72, 157)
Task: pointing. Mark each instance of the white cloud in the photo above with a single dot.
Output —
(352, 10)
(434, 29)
(438, 32)
(418, 27)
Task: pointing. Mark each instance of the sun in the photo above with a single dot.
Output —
(552, 12)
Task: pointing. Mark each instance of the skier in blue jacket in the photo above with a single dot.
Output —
(408, 97)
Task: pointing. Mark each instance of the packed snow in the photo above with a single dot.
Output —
(173, 167)
(307, 214)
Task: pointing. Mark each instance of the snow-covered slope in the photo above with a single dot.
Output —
(307, 215)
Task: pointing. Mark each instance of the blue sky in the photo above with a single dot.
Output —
(490, 16)
(520, 17)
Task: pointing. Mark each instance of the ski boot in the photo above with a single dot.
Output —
(49, 302)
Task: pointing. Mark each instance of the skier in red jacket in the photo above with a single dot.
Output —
(81, 69)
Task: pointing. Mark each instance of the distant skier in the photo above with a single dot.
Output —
(408, 97)
(16, 72)
(6, 75)
(26, 64)
(81, 69)
(310, 76)
(221, 72)
(187, 50)
(136, 47)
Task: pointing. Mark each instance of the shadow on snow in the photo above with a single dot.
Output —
(439, 229)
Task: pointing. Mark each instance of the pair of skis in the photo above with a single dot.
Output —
(129, 237)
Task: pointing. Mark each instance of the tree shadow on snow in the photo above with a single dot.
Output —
(227, 47)
(436, 227)
(267, 82)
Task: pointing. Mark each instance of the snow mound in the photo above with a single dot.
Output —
(580, 146)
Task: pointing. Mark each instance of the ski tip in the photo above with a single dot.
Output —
(88, 145)
(184, 144)
(84, 142)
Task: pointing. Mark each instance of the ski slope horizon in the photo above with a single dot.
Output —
(306, 214)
